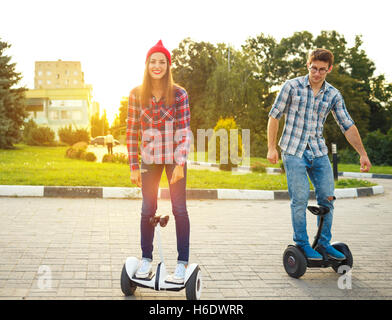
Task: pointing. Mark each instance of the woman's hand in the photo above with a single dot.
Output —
(178, 174)
(136, 177)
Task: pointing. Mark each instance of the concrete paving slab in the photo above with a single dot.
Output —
(70, 248)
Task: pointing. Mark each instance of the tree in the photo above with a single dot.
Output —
(233, 91)
(380, 102)
(368, 98)
(267, 58)
(70, 136)
(37, 136)
(119, 124)
(356, 105)
(193, 64)
(245, 86)
(335, 42)
(12, 101)
(99, 125)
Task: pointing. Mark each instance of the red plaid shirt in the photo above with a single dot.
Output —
(164, 130)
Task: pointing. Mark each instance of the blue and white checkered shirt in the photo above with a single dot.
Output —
(306, 114)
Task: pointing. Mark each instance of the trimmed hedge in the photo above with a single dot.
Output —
(78, 151)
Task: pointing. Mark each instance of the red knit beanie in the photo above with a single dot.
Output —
(159, 48)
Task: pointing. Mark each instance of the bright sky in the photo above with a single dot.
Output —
(111, 38)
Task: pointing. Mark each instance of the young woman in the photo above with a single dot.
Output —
(159, 113)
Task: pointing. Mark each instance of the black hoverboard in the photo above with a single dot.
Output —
(295, 261)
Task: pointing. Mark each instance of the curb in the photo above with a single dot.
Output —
(199, 194)
(365, 175)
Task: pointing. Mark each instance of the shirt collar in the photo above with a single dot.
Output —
(324, 88)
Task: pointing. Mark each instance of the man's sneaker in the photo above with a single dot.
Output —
(179, 274)
(334, 254)
(144, 270)
(311, 254)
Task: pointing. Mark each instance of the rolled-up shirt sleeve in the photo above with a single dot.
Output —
(183, 133)
(340, 113)
(281, 102)
(133, 125)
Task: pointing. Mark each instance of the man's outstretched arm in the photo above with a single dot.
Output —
(353, 137)
(272, 133)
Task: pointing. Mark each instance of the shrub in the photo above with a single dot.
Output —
(78, 151)
(72, 153)
(348, 156)
(70, 136)
(107, 158)
(34, 135)
(90, 156)
(27, 128)
(234, 148)
(116, 158)
(121, 158)
(40, 136)
(379, 147)
(350, 183)
(80, 145)
(68, 152)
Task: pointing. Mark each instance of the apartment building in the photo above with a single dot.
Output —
(60, 96)
(58, 74)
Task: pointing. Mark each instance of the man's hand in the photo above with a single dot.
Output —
(136, 177)
(178, 174)
(273, 156)
(353, 137)
(272, 132)
(365, 163)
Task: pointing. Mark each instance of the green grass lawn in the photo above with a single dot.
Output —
(47, 166)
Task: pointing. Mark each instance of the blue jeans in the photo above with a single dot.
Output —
(150, 186)
(320, 173)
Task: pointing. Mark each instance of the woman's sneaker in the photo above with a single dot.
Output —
(311, 254)
(179, 274)
(334, 254)
(144, 270)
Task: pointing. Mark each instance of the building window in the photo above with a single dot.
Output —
(65, 115)
(75, 73)
(75, 82)
(39, 81)
(76, 115)
(48, 73)
(54, 115)
(48, 82)
(40, 73)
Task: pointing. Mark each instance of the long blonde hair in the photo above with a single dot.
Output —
(168, 86)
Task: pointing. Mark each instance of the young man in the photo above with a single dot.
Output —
(306, 102)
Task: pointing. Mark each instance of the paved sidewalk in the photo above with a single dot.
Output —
(80, 245)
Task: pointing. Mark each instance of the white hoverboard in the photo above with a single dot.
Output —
(158, 280)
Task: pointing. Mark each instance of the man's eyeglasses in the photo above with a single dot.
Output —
(314, 70)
